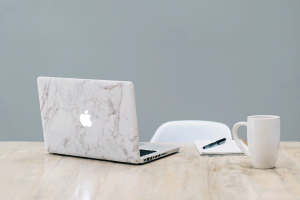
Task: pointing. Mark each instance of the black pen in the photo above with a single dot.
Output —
(219, 142)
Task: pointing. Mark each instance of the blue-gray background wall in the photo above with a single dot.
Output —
(204, 60)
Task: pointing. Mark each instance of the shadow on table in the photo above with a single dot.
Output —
(85, 158)
(222, 155)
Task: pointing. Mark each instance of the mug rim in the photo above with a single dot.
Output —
(263, 117)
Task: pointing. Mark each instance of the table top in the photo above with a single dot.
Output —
(28, 171)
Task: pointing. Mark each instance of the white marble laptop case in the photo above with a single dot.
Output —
(89, 118)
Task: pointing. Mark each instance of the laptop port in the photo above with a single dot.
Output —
(145, 160)
(148, 159)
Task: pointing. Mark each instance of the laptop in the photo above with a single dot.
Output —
(94, 119)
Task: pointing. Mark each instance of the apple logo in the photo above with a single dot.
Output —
(85, 119)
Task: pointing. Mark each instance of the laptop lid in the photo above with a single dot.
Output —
(89, 118)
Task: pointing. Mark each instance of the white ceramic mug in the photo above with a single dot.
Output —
(263, 133)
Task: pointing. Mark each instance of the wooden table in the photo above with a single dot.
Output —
(27, 171)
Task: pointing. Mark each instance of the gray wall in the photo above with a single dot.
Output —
(203, 60)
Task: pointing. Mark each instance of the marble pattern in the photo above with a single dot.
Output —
(111, 104)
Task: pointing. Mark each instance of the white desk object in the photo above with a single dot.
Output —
(191, 130)
(229, 147)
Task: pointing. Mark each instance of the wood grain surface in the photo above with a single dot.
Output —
(28, 171)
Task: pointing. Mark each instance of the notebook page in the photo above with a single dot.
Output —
(229, 147)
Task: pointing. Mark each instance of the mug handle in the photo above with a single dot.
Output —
(236, 137)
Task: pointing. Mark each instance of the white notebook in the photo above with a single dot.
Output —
(229, 147)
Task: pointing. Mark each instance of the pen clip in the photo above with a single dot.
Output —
(222, 142)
